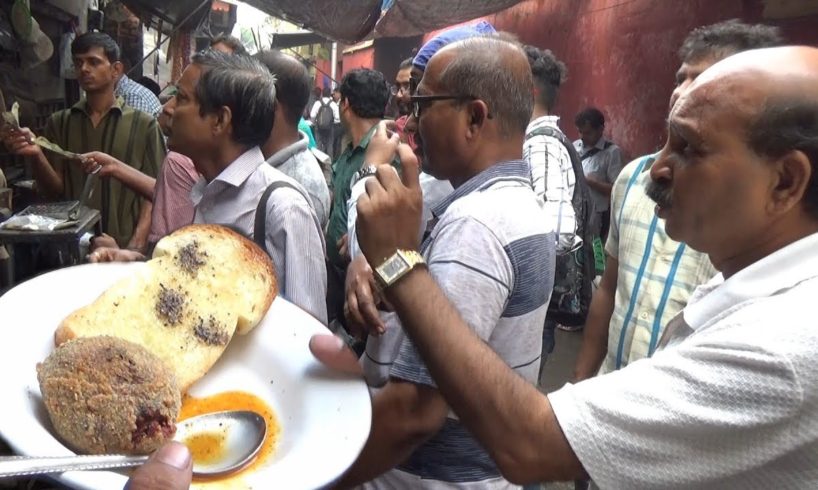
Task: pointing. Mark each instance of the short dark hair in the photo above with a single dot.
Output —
(85, 42)
(242, 84)
(405, 64)
(786, 124)
(231, 42)
(592, 116)
(326, 92)
(367, 92)
(292, 82)
(478, 71)
(727, 38)
(548, 73)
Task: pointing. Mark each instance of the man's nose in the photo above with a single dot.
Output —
(662, 169)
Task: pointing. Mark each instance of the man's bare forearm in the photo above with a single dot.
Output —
(404, 416)
(599, 186)
(595, 336)
(135, 180)
(139, 240)
(508, 415)
(49, 182)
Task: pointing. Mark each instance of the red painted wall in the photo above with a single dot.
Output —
(621, 54)
(362, 58)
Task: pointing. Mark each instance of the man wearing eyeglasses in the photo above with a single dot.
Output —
(401, 92)
(490, 249)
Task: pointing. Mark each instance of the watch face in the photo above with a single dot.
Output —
(393, 267)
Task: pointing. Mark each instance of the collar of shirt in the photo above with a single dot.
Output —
(82, 105)
(581, 148)
(364, 141)
(508, 170)
(284, 154)
(550, 120)
(234, 175)
(772, 275)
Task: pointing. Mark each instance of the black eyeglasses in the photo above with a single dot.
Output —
(413, 85)
(399, 87)
(418, 101)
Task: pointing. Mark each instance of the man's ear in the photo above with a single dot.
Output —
(223, 121)
(793, 173)
(477, 113)
(118, 68)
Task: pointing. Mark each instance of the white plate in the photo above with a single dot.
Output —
(324, 417)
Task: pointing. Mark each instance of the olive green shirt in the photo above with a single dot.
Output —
(128, 135)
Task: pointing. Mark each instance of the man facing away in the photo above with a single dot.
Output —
(287, 148)
(324, 115)
(649, 276)
(364, 94)
(222, 112)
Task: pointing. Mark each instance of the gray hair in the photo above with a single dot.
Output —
(785, 124)
(243, 85)
(480, 71)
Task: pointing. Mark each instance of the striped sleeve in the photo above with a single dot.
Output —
(472, 267)
(296, 245)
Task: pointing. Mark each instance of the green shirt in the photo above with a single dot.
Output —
(344, 168)
(128, 135)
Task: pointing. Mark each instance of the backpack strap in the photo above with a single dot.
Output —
(581, 191)
(260, 225)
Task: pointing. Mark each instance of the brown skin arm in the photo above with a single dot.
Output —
(598, 185)
(139, 240)
(508, 415)
(595, 336)
(20, 142)
(404, 416)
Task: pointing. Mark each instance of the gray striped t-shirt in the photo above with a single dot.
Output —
(491, 250)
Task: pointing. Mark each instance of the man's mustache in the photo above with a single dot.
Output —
(659, 193)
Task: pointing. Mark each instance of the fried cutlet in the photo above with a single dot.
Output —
(108, 395)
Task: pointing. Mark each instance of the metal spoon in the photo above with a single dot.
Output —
(243, 433)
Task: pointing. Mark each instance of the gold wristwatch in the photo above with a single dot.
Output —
(397, 266)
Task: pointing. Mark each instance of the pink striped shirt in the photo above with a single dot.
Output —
(172, 206)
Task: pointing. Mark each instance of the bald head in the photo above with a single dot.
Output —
(493, 70)
(776, 89)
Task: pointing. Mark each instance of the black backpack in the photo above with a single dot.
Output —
(574, 271)
(324, 118)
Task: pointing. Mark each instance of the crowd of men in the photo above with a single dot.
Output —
(441, 241)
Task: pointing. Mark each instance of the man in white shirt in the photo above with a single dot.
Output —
(324, 116)
(223, 111)
(731, 398)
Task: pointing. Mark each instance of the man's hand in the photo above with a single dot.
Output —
(106, 254)
(332, 352)
(383, 145)
(389, 213)
(361, 299)
(99, 163)
(21, 142)
(343, 247)
(169, 468)
(103, 241)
